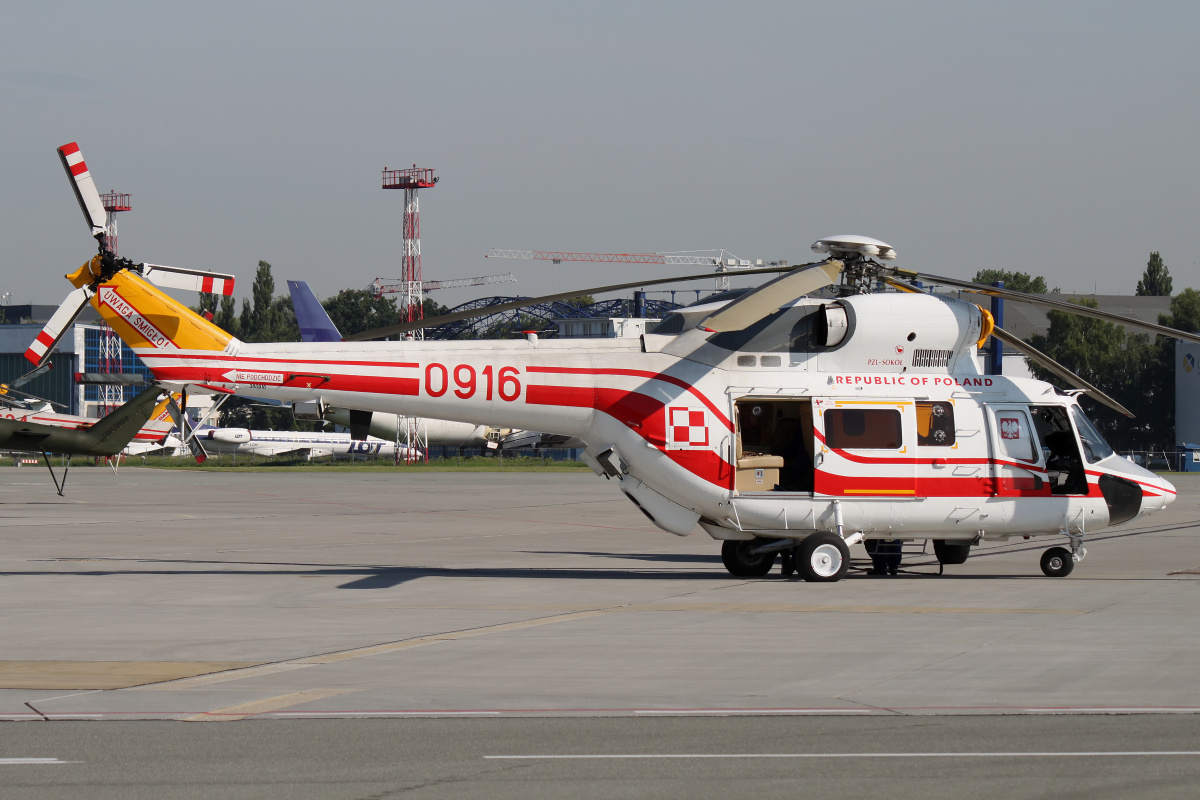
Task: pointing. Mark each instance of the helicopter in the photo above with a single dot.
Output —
(776, 422)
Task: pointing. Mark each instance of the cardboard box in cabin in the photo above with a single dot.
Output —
(757, 473)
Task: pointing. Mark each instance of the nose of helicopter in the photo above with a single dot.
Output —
(1157, 494)
(1132, 490)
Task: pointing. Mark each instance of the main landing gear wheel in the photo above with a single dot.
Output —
(740, 561)
(823, 558)
(1057, 562)
(951, 552)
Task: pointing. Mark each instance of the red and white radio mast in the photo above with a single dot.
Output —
(410, 180)
(111, 356)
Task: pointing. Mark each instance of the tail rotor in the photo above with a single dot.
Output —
(106, 265)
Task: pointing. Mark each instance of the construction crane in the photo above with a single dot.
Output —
(381, 286)
(723, 261)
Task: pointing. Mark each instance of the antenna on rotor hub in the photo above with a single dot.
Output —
(858, 254)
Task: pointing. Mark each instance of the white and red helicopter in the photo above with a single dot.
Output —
(778, 423)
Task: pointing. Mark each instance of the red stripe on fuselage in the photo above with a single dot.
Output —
(240, 362)
(644, 414)
(639, 373)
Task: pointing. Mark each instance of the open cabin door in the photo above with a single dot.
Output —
(1018, 468)
(866, 448)
(774, 445)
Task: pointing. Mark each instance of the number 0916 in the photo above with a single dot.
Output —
(465, 381)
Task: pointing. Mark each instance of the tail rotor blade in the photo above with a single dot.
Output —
(27, 377)
(85, 188)
(45, 342)
(194, 280)
(754, 305)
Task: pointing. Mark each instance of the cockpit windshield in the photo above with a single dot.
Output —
(1094, 447)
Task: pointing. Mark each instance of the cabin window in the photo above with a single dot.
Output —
(935, 424)
(863, 429)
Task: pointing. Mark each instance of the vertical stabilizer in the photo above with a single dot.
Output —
(315, 324)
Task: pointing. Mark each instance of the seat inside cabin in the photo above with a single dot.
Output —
(774, 446)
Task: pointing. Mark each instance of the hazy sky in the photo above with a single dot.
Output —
(1054, 138)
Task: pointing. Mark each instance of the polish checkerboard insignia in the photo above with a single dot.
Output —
(687, 428)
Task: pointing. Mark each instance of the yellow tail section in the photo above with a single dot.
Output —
(145, 317)
(160, 422)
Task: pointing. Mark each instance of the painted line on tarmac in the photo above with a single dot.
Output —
(11, 761)
(421, 641)
(220, 677)
(648, 756)
(243, 710)
(298, 714)
(719, 712)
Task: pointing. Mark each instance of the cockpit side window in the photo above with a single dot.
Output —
(1095, 448)
(1063, 462)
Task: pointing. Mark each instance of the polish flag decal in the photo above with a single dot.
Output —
(687, 428)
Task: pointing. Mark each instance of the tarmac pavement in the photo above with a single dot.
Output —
(221, 597)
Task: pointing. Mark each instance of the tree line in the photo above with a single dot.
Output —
(1135, 369)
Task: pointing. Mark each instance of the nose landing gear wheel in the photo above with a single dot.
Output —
(823, 558)
(741, 562)
(1057, 562)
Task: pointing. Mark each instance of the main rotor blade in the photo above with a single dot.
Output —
(45, 342)
(1033, 354)
(444, 319)
(1061, 305)
(756, 304)
(85, 188)
(1048, 363)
